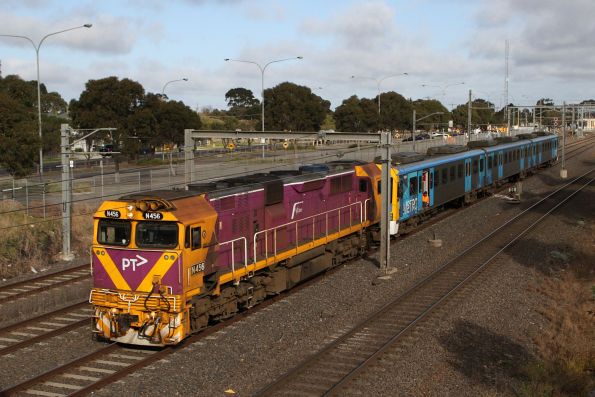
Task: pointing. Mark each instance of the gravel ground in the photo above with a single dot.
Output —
(41, 357)
(462, 353)
(251, 353)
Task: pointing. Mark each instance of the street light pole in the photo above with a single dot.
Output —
(262, 70)
(415, 122)
(378, 82)
(169, 82)
(37, 47)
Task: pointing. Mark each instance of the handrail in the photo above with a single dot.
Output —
(274, 229)
(232, 252)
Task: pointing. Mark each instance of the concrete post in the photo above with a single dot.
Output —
(385, 144)
(188, 157)
(66, 192)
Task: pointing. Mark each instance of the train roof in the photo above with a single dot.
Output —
(442, 159)
(306, 173)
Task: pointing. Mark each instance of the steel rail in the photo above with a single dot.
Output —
(298, 373)
(36, 320)
(46, 278)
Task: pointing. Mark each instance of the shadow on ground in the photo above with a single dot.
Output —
(485, 357)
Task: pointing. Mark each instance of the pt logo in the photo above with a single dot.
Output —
(134, 262)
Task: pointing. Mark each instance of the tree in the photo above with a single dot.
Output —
(171, 118)
(350, 115)
(109, 102)
(240, 97)
(395, 112)
(52, 105)
(295, 108)
(424, 107)
(482, 114)
(19, 141)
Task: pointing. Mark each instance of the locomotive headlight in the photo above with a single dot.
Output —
(130, 215)
(114, 310)
(130, 208)
(153, 314)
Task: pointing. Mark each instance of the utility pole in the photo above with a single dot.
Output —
(413, 132)
(506, 52)
(563, 171)
(469, 115)
(385, 145)
(66, 191)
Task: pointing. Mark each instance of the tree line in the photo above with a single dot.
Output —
(145, 120)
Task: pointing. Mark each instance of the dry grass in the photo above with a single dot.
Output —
(30, 242)
(566, 348)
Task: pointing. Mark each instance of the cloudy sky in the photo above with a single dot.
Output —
(439, 43)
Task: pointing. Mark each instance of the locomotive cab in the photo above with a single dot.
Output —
(147, 259)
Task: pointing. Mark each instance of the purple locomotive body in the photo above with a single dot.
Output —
(259, 220)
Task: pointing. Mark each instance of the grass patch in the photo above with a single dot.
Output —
(29, 242)
(566, 353)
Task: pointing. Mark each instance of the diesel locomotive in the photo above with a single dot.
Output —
(168, 263)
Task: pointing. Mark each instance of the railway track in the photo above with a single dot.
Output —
(112, 362)
(43, 283)
(38, 329)
(330, 371)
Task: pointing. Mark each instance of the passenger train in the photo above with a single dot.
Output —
(168, 263)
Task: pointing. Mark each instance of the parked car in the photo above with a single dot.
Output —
(418, 137)
(442, 135)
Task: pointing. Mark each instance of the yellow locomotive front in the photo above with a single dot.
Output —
(148, 258)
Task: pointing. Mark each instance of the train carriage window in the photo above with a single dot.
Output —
(157, 234)
(481, 165)
(467, 169)
(444, 176)
(490, 163)
(475, 166)
(431, 179)
(437, 178)
(363, 185)
(452, 173)
(413, 186)
(196, 238)
(460, 171)
(113, 232)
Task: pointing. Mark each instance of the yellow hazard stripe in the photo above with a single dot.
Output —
(113, 272)
(159, 269)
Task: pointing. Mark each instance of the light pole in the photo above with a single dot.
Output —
(262, 69)
(379, 81)
(169, 82)
(443, 87)
(37, 47)
(416, 120)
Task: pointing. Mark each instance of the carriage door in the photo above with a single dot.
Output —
(482, 170)
(425, 189)
(467, 175)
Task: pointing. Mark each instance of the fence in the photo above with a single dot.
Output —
(93, 185)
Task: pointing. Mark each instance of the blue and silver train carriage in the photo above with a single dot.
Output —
(459, 173)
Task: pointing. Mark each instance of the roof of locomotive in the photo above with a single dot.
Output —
(228, 186)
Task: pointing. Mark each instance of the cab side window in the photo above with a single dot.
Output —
(196, 238)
